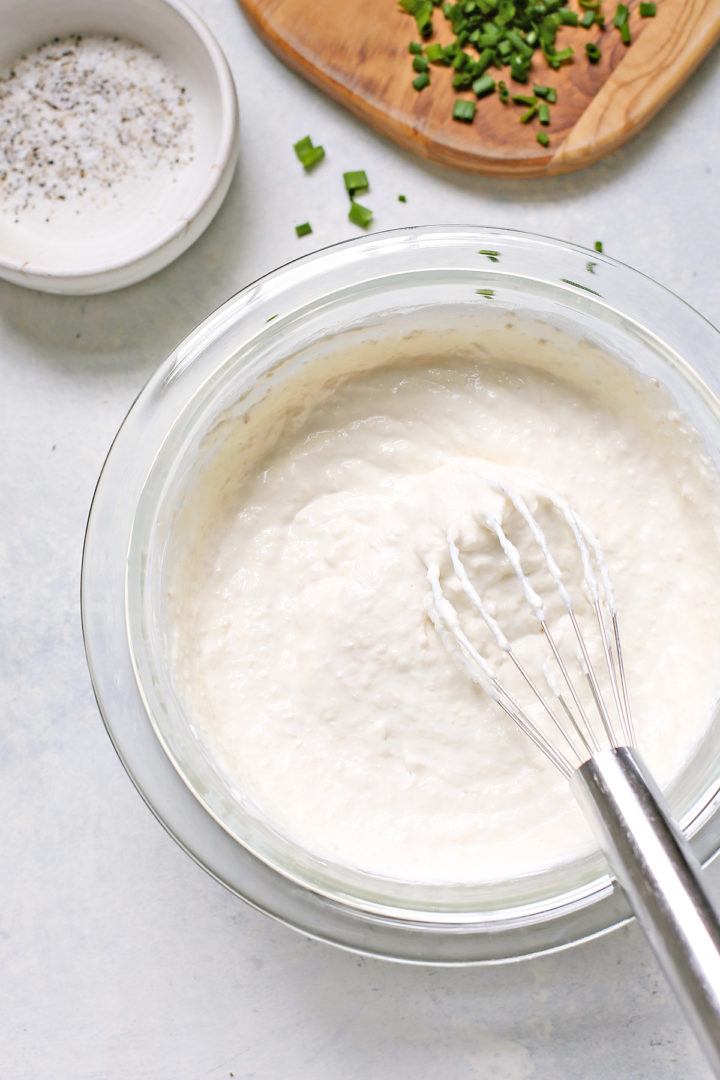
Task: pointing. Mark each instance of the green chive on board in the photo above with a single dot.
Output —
(358, 54)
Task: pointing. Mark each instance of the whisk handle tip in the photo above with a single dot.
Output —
(661, 878)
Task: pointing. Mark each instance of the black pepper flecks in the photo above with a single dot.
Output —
(82, 116)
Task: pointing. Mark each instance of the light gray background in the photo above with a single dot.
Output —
(121, 959)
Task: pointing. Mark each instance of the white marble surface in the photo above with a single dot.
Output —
(121, 959)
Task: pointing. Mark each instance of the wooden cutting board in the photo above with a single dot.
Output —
(357, 51)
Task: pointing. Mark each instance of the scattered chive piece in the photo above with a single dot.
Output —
(356, 181)
(484, 85)
(308, 154)
(487, 293)
(503, 92)
(360, 215)
(304, 229)
(415, 47)
(420, 63)
(588, 19)
(312, 157)
(302, 146)
(524, 99)
(625, 33)
(568, 17)
(464, 111)
(593, 52)
(545, 92)
(543, 138)
(621, 15)
(421, 81)
(648, 11)
(528, 115)
(271, 317)
(577, 285)
(543, 113)
(590, 267)
(493, 256)
(598, 245)
(402, 198)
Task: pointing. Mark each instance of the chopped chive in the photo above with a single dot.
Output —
(422, 12)
(504, 35)
(524, 99)
(562, 56)
(598, 246)
(543, 138)
(487, 293)
(436, 54)
(590, 267)
(464, 111)
(308, 154)
(356, 181)
(462, 80)
(493, 256)
(402, 198)
(647, 11)
(360, 215)
(271, 317)
(519, 68)
(304, 229)
(577, 285)
(484, 85)
(518, 43)
(302, 146)
(312, 157)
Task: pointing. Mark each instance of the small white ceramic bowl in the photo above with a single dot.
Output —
(89, 253)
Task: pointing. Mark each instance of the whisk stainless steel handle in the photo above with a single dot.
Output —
(660, 876)
(647, 852)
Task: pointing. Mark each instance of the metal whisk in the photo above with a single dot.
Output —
(577, 712)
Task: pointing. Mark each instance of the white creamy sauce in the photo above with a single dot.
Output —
(302, 644)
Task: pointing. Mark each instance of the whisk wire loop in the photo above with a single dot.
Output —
(578, 732)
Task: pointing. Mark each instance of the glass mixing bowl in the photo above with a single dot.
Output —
(245, 350)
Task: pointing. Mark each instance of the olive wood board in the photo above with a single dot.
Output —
(357, 51)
